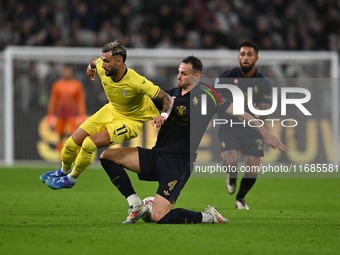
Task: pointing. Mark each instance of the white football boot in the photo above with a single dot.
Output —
(230, 187)
(241, 204)
(217, 217)
(135, 213)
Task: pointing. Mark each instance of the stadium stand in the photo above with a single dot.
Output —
(191, 24)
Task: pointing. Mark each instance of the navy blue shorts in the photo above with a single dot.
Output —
(172, 171)
(251, 145)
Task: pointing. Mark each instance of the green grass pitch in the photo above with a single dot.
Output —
(286, 216)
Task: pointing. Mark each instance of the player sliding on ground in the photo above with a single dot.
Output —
(130, 104)
(170, 161)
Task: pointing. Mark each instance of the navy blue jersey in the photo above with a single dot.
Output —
(186, 124)
(262, 93)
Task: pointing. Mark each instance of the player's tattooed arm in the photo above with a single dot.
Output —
(167, 101)
(230, 157)
(167, 107)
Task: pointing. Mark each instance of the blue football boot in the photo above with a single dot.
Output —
(51, 175)
(59, 183)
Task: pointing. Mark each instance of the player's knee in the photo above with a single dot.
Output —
(104, 155)
(160, 214)
(89, 146)
(230, 157)
(107, 154)
(157, 216)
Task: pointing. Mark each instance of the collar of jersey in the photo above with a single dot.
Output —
(126, 69)
(178, 92)
(196, 89)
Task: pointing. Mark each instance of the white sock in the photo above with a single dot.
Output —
(65, 171)
(134, 200)
(72, 179)
(207, 217)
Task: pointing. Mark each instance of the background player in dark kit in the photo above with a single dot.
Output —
(170, 161)
(238, 138)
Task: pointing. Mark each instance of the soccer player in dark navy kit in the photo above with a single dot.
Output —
(170, 161)
(237, 138)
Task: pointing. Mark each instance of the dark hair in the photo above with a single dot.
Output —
(116, 48)
(195, 62)
(249, 44)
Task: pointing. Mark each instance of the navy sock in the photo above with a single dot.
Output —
(246, 185)
(181, 216)
(118, 177)
(232, 174)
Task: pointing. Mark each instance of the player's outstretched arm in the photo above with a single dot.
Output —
(91, 69)
(167, 107)
(271, 140)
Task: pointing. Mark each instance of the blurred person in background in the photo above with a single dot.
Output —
(67, 105)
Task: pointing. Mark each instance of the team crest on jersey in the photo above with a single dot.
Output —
(181, 110)
(124, 91)
(256, 89)
(235, 81)
(195, 100)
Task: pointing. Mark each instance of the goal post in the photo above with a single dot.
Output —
(27, 80)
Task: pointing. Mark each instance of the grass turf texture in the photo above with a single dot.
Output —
(286, 216)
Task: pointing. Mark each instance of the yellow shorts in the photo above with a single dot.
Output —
(120, 129)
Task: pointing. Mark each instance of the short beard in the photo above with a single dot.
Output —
(246, 69)
(113, 72)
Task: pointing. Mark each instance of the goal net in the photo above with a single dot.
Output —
(27, 74)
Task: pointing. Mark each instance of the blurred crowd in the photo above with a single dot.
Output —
(191, 24)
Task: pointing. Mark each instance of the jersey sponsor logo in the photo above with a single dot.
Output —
(104, 83)
(195, 101)
(181, 110)
(166, 193)
(143, 82)
(267, 96)
(124, 91)
(256, 89)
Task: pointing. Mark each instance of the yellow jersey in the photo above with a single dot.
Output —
(130, 96)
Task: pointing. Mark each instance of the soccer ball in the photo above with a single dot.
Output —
(149, 202)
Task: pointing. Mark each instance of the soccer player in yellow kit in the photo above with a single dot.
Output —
(121, 119)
